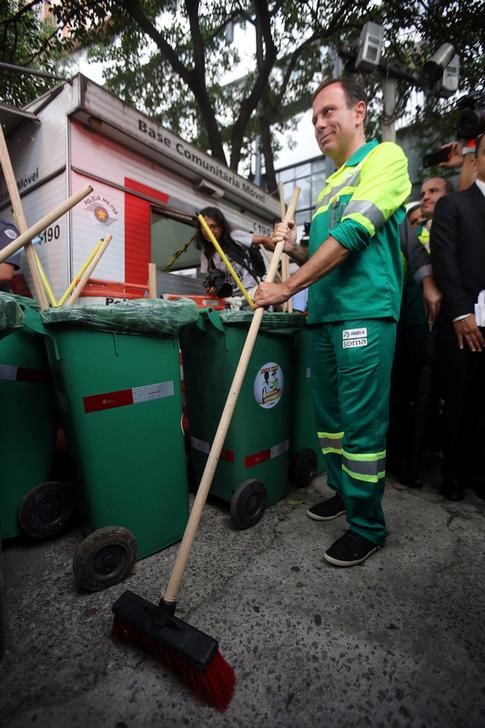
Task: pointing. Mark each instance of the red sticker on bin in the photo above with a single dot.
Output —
(123, 397)
(203, 446)
(22, 374)
(268, 454)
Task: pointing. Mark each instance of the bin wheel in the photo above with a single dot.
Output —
(303, 467)
(46, 509)
(248, 503)
(104, 558)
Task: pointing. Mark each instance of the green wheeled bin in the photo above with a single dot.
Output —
(30, 502)
(116, 374)
(307, 460)
(252, 472)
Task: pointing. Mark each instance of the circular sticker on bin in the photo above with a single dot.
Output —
(268, 385)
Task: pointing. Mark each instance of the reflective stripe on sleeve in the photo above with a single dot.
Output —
(367, 209)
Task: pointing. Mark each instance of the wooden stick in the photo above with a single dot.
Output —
(268, 260)
(281, 191)
(285, 270)
(45, 281)
(44, 222)
(284, 267)
(176, 576)
(152, 280)
(21, 221)
(87, 273)
(288, 305)
(78, 275)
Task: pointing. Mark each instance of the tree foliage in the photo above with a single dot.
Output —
(170, 57)
(27, 41)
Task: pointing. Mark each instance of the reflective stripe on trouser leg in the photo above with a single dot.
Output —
(362, 379)
(328, 424)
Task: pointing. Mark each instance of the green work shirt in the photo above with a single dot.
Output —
(361, 206)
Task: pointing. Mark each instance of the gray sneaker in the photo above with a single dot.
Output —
(327, 510)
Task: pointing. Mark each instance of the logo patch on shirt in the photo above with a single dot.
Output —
(354, 338)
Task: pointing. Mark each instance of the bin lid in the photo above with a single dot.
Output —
(11, 314)
(273, 322)
(145, 316)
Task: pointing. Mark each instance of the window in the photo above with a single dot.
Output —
(310, 176)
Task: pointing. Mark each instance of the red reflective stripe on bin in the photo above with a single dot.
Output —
(123, 397)
(203, 446)
(22, 374)
(257, 457)
(31, 375)
(267, 454)
(97, 402)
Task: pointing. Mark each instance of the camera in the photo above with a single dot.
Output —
(471, 122)
(220, 281)
(432, 158)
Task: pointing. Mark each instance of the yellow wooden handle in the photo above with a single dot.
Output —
(89, 269)
(78, 275)
(45, 280)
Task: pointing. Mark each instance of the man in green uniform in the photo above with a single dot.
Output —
(355, 278)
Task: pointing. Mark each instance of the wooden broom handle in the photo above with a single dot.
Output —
(267, 257)
(288, 305)
(89, 269)
(11, 182)
(281, 192)
(44, 222)
(170, 595)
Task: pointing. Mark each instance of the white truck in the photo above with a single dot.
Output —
(148, 185)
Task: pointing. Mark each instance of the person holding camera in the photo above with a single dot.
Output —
(247, 262)
(461, 156)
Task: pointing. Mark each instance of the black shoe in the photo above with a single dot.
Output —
(327, 510)
(453, 490)
(350, 549)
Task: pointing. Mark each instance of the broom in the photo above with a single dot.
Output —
(192, 654)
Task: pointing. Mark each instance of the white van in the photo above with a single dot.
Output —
(148, 185)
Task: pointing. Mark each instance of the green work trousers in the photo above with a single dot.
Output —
(351, 374)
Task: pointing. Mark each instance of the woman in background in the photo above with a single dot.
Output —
(236, 244)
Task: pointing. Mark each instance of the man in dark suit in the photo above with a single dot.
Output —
(458, 259)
